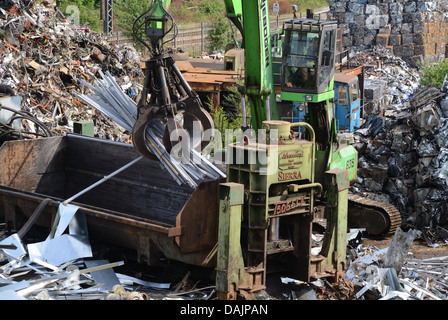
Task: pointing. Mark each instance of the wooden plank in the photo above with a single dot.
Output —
(33, 64)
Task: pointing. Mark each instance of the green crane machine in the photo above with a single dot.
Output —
(268, 202)
(280, 172)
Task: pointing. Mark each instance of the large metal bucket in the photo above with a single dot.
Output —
(141, 208)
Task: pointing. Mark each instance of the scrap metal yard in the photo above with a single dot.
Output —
(95, 204)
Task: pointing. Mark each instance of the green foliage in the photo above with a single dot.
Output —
(232, 100)
(223, 123)
(222, 115)
(310, 4)
(128, 11)
(211, 8)
(434, 73)
(182, 12)
(197, 10)
(214, 11)
(219, 35)
(89, 12)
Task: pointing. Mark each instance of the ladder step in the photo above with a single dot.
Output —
(278, 250)
(255, 204)
(257, 227)
(317, 258)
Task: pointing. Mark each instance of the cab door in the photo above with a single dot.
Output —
(355, 106)
(342, 106)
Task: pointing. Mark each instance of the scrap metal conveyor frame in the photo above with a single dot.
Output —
(181, 226)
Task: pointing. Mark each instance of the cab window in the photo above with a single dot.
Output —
(301, 58)
(342, 95)
(354, 91)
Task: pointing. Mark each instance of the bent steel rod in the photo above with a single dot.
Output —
(102, 180)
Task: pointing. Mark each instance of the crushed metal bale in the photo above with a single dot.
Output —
(402, 144)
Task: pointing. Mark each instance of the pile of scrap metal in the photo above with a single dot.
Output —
(45, 56)
(403, 159)
(392, 274)
(61, 267)
(388, 78)
(402, 145)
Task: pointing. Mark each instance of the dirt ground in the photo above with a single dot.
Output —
(419, 248)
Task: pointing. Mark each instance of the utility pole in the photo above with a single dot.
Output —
(107, 16)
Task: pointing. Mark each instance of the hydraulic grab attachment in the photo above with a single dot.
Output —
(166, 95)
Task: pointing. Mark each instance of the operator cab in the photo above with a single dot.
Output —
(308, 59)
(347, 102)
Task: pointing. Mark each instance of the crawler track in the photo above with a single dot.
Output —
(379, 218)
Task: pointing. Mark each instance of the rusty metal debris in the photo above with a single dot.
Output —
(75, 275)
(45, 56)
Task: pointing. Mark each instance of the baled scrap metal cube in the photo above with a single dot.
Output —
(412, 142)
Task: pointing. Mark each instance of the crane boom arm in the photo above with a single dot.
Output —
(252, 17)
(234, 11)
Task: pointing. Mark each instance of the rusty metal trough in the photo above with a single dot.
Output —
(141, 208)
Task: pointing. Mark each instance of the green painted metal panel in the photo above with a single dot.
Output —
(301, 97)
(259, 82)
(234, 11)
(334, 248)
(346, 158)
(230, 265)
(85, 128)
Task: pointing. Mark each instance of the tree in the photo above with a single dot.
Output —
(82, 12)
(434, 73)
(219, 34)
(127, 11)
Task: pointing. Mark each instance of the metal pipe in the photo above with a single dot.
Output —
(164, 89)
(183, 82)
(274, 229)
(244, 111)
(102, 180)
(268, 108)
(110, 100)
